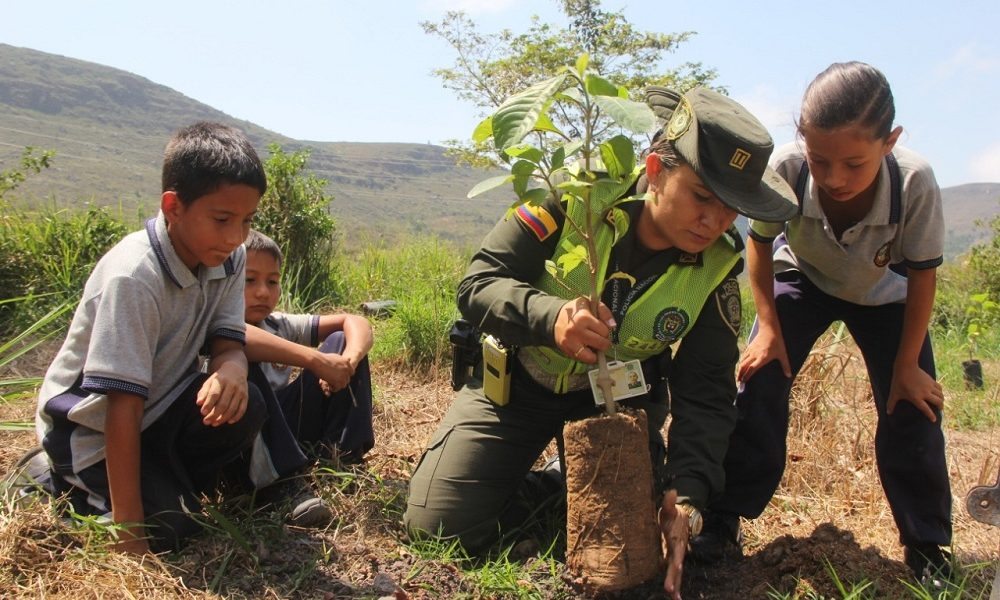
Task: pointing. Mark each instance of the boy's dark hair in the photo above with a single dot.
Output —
(258, 242)
(851, 93)
(202, 157)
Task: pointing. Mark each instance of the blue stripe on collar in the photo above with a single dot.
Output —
(154, 241)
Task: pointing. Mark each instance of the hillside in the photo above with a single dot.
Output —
(109, 127)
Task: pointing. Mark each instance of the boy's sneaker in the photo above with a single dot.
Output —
(930, 564)
(308, 509)
(719, 538)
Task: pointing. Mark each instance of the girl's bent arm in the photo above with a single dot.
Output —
(768, 344)
(909, 381)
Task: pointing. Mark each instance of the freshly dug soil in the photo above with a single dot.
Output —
(612, 540)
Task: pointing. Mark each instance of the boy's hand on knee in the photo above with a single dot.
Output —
(223, 397)
(333, 370)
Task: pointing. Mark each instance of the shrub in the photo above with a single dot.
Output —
(49, 255)
(294, 212)
(421, 275)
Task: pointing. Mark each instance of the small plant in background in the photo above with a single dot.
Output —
(980, 312)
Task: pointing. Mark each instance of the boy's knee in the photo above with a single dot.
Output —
(334, 343)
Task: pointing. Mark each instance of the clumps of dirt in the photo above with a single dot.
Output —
(800, 567)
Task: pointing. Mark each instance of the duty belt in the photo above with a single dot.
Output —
(576, 382)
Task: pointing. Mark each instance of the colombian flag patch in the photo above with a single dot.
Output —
(537, 219)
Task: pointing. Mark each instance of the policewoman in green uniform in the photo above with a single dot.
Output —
(680, 256)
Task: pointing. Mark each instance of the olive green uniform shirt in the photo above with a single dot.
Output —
(497, 296)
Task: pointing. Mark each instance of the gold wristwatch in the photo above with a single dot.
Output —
(693, 516)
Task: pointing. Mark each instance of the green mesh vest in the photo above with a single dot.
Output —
(660, 316)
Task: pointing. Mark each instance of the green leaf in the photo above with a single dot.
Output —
(573, 147)
(558, 158)
(519, 114)
(620, 219)
(633, 116)
(618, 156)
(483, 131)
(534, 196)
(605, 192)
(599, 86)
(581, 63)
(522, 171)
(526, 152)
(575, 187)
(572, 94)
(545, 124)
(489, 184)
(553, 270)
(573, 259)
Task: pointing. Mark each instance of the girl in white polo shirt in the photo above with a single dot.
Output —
(863, 250)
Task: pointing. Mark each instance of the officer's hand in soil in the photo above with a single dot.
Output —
(912, 384)
(675, 530)
(579, 334)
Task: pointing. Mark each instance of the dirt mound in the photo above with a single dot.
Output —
(799, 566)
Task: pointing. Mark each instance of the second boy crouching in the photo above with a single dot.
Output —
(328, 405)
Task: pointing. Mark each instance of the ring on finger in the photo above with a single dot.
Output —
(579, 350)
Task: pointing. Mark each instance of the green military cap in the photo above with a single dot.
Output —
(727, 147)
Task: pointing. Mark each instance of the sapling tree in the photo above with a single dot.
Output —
(594, 164)
(981, 311)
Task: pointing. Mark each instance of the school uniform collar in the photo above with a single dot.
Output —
(882, 212)
(172, 265)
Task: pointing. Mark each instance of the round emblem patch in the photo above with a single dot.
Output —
(883, 255)
(670, 325)
(680, 120)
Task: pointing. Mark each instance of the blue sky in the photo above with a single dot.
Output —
(340, 70)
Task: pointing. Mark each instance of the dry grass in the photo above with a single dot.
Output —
(830, 497)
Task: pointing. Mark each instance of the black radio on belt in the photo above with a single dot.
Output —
(466, 352)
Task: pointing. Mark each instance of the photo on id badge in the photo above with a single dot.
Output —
(626, 381)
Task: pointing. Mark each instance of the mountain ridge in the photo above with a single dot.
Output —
(108, 128)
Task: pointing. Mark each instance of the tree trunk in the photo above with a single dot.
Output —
(612, 539)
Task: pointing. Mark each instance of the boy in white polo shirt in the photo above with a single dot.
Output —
(131, 428)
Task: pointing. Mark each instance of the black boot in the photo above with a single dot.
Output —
(719, 538)
(930, 564)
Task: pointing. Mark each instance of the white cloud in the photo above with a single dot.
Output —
(985, 166)
(967, 60)
(472, 7)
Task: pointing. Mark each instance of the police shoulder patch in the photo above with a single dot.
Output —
(727, 299)
(537, 220)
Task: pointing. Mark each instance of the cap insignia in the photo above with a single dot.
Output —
(739, 159)
(680, 120)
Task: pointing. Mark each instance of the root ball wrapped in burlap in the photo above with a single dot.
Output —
(612, 539)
